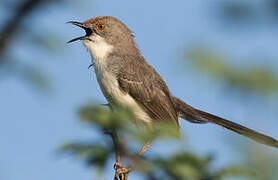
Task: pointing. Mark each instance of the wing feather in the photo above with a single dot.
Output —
(144, 84)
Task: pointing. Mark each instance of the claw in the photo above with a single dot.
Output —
(121, 176)
(121, 171)
(117, 165)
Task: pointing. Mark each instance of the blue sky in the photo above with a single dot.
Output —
(33, 124)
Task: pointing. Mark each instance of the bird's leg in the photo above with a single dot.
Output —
(121, 170)
(117, 148)
(140, 154)
(145, 148)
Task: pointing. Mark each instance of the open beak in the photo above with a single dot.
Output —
(83, 26)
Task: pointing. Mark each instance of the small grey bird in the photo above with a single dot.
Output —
(128, 80)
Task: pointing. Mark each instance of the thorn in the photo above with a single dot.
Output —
(91, 65)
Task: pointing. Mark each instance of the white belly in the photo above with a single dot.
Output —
(111, 90)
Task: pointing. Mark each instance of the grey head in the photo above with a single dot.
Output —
(105, 32)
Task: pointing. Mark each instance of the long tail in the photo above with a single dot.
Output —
(191, 114)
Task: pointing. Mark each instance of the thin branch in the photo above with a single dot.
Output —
(12, 26)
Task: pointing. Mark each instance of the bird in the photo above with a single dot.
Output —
(127, 79)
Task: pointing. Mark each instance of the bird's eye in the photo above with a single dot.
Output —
(100, 27)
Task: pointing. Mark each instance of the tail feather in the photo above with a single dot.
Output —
(191, 114)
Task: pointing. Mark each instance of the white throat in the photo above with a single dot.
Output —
(98, 48)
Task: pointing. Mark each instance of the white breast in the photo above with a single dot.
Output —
(100, 50)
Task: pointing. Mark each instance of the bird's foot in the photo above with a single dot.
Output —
(121, 171)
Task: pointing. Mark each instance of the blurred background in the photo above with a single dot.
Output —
(218, 55)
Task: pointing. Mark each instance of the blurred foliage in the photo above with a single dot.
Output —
(19, 25)
(91, 153)
(186, 165)
(248, 78)
(13, 65)
(257, 79)
(121, 119)
(236, 10)
(261, 161)
(247, 12)
(180, 165)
